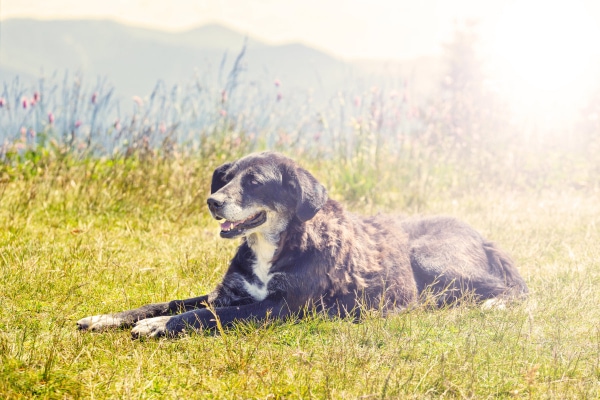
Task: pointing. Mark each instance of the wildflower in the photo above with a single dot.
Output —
(279, 96)
(32, 133)
(2, 102)
(23, 131)
(94, 97)
(277, 82)
(36, 97)
(50, 118)
(138, 100)
(77, 124)
(117, 124)
(223, 113)
(24, 103)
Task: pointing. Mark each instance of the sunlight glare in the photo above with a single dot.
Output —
(542, 59)
(545, 45)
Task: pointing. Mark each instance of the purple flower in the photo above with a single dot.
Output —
(2, 102)
(277, 82)
(94, 97)
(279, 96)
(77, 124)
(50, 118)
(36, 97)
(24, 103)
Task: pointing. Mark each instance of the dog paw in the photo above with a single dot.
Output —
(99, 322)
(494, 304)
(150, 327)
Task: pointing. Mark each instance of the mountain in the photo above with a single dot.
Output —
(134, 59)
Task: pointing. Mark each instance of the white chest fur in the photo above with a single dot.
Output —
(264, 251)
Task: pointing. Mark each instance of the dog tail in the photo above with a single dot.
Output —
(502, 266)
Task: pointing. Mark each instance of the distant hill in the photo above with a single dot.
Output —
(133, 59)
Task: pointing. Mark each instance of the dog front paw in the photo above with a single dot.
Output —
(100, 322)
(151, 327)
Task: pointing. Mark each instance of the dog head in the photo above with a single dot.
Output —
(263, 192)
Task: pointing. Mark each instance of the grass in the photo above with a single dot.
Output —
(82, 237)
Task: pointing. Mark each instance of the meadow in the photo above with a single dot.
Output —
(101, 212)
(81, 237)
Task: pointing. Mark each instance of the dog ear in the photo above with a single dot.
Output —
(310, 194)
(218, 178)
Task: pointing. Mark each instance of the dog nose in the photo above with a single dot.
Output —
(214, 204)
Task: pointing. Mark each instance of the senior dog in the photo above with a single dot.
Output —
(300, 251)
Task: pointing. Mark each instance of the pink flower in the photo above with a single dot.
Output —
(117, 124)
(279, 96)
(94, 97)
(77, 124)
(23, 131)
(2, 102)
(36, 97)
(138, 100)
(50, 118)
(32, 133)
(24, 103)
(223, 113)
(277, 82)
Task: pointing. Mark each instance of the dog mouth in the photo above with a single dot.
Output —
(230, 229)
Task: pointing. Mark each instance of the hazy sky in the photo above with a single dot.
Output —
(544, 43)
(347, 28)
(539, 51)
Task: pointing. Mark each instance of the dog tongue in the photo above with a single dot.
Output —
(226, 225)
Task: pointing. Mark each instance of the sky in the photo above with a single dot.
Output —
(383, 29)
(543, 53)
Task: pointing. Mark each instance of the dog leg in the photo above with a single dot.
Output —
(126, 319)
(206, 319)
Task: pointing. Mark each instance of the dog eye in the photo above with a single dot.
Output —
(252, 181)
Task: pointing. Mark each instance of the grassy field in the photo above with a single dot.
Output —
(79, 238)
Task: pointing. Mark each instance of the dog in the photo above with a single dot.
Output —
(302, 252)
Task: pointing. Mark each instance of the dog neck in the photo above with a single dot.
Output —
(263, 247)
(266, 248)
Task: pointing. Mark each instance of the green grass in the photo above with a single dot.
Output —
(86, 237)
